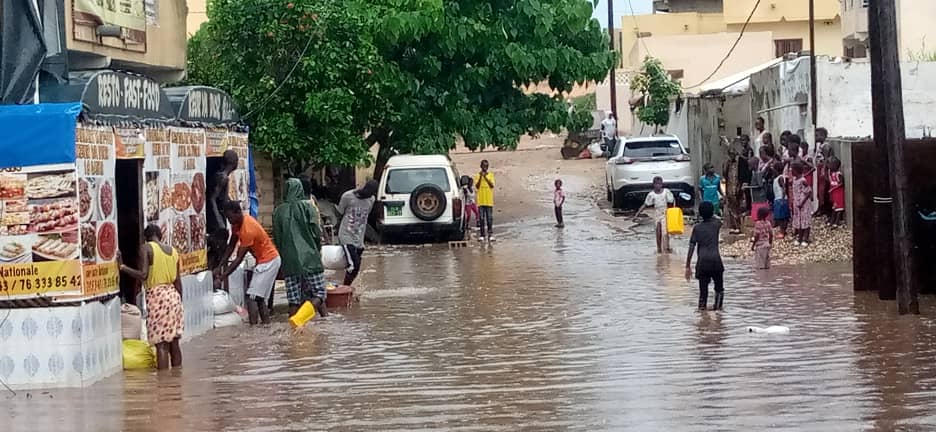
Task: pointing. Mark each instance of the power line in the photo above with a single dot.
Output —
(736, 42)
(282, 83)
(637, 28)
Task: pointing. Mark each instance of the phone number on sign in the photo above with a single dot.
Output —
(40, 284)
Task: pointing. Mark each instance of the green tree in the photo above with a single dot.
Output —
(412, 76)
(657, 87)
(302, 71)
(456, 69)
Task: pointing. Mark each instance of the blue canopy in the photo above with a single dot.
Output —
(38, 134)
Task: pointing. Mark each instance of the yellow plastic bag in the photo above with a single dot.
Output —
(674, 221)
(138, 354)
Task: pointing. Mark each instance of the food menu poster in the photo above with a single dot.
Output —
(39, 242)
(174, 191)
(97, 208)
(239, 180)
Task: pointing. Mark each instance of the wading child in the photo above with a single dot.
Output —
(709, 267)
(781, 205)
(802, 205)
(659, 199)
(559, 198)
(758, 187)
(484, 184)
(710, 187)
(470, 197)
(763, 239)
(836, 191)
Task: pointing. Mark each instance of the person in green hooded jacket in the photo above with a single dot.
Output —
(298, 237)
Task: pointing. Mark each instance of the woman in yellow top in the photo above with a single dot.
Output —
(163, 288)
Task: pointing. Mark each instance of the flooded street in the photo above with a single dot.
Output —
(581, 330)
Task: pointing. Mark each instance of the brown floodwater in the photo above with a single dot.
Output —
(583, 330)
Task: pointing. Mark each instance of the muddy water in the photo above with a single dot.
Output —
(583, 330)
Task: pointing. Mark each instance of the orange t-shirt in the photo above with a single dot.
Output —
(252, 236)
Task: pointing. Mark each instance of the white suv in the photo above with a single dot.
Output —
(634, 162)
(420, 195)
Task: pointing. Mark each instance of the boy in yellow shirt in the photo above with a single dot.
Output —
(484, 184)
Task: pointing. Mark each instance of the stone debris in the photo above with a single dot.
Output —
(828, 245)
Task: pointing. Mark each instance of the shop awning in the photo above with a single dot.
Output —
(203, 105)
(39, 134)
(109, 95)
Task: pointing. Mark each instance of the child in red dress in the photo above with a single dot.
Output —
(837, 191)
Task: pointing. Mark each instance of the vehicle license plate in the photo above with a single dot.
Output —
(395, 211)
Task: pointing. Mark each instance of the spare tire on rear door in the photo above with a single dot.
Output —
(427, 202)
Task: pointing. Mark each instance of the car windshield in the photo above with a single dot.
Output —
(651, 149)
(404, 180)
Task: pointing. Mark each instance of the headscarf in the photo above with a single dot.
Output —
(296, 232)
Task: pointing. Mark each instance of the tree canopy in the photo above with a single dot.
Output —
(657, 87)
(413, 76)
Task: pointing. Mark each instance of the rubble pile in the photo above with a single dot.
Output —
(828, 245)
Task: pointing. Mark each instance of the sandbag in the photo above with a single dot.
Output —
(595, 150)
(131, 321)
(334, 258)
(222, 303)
(138, 355)
(230, 319)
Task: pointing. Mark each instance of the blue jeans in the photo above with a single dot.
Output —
(486, 220)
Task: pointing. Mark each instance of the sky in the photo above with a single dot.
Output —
(621, 8)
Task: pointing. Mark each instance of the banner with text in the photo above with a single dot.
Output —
(39, 242)
(97, 208)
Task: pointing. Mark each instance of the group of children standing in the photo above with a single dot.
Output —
(776, 188)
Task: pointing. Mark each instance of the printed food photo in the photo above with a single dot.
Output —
(106, 199)
(88, 242)
(151, 194)
(14, 251)
(198, 192)
(85, 203)
(107, 241)
(181, 196)
(42, 186)
(56, 247)
(13, 186)
(54, 216)
(180, 234)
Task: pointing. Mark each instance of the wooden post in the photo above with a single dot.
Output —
(883, 218)
(612, 77)
(888, 110)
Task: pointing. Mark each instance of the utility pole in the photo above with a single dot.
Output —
(887, 105)
(612, 77)
(812, 64)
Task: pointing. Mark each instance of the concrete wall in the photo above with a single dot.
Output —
(603, 101)
(666, 25)
(267, 188)
(914, 19)
(828, 33)
(703, 6)
(780, 94)
(698, 55)
(845, 98)
(197, 14)
(165, 45)
(737, 11)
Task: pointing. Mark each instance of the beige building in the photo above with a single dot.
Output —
(914, 22)
(149, 39)
(692, 36)
(197, 14)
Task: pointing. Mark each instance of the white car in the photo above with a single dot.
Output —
(635, 161)
(420, 195)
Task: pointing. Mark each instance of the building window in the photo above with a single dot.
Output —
(786, 46)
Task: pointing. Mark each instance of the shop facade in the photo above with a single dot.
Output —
(110, 156)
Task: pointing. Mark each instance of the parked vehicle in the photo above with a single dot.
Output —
(634, 162)
(420, 195)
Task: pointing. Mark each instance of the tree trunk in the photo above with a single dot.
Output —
(383, 156)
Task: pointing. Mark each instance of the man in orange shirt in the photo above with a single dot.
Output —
(254, 239)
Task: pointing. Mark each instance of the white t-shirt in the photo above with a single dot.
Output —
(659, 202)
(779, 192)
(609, 128)
(758, 142)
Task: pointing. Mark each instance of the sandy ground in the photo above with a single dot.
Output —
(524, 178)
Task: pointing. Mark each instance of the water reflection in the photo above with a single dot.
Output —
(583, 329)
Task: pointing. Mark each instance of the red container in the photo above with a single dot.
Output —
(340, 297)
